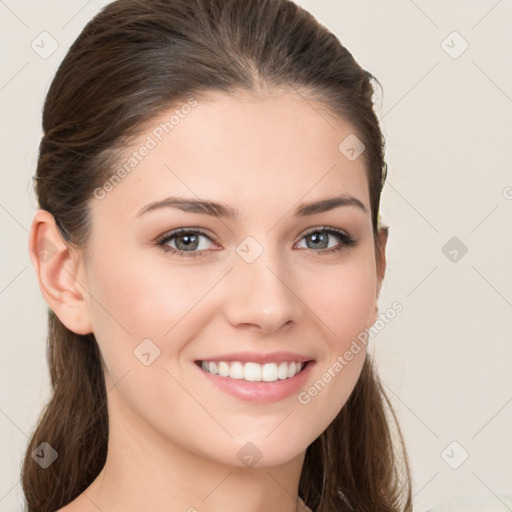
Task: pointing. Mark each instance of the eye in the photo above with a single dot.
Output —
(187, 242)
(319, 238)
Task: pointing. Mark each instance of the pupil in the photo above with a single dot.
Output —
(188, 239)
(316, 237)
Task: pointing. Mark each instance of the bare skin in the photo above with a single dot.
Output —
(174, 438)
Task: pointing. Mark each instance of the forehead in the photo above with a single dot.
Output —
(251, 151)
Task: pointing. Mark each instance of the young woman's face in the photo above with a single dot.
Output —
(263, 282)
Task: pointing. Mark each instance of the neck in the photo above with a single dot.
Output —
(146, 471)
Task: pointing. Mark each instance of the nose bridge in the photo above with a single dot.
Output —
(263, 294)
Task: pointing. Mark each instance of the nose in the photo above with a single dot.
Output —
(263, 294)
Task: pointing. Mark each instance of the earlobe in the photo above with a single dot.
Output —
(57, 266)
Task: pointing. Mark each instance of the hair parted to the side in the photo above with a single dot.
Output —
(133, 60)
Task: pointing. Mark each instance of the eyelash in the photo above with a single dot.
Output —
(347, 241)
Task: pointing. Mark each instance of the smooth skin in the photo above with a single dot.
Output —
(174, 438)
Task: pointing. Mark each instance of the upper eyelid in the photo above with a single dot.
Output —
(176, 232)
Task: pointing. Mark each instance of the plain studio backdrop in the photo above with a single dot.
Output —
(446, 113)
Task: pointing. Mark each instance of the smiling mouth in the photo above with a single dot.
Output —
(253, 372)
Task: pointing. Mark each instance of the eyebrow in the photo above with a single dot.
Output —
(215, 209)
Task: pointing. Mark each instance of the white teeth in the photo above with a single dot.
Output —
(269, 372)
(282, 372)
(223, 369)
(236, 370)
(253, 372)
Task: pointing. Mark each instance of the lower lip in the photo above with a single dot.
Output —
(261, 392)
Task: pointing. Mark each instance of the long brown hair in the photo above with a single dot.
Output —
(133, 60)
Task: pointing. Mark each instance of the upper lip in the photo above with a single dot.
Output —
(258, 357)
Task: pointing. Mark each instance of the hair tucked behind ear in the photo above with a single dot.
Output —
(132, 61)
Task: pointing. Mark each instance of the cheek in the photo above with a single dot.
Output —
(345, 305)
(344, 298)
(138, 300)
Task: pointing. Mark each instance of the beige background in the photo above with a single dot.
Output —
(446, 358)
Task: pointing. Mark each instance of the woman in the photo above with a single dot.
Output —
(209, 246)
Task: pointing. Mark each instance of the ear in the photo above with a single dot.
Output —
(57, 266)
(381, 267)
